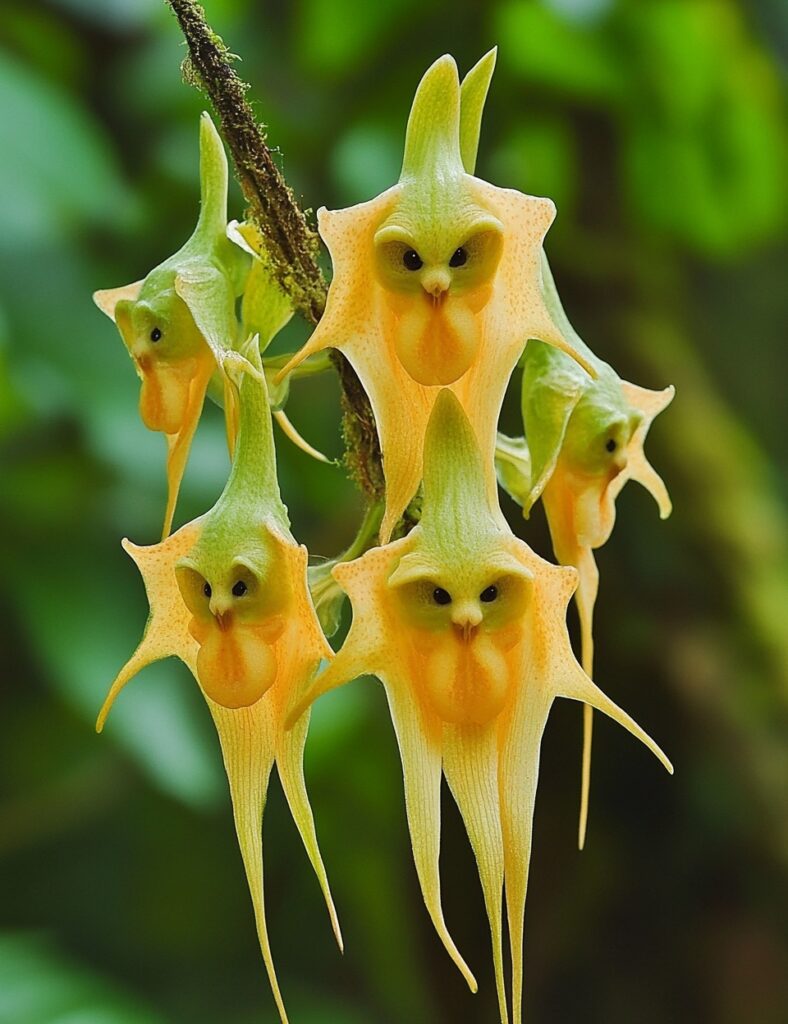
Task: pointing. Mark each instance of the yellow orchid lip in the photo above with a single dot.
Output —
(467, 679)
(236, 663)
(435, 338)
(164, 395)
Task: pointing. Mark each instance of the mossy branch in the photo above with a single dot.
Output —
(291, 243)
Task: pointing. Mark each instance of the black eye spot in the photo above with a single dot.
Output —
(155, 334)
(412, 260)
(207, 589)
(239, 589)
(441, 596)
(488, 594)
(459, 259)
(611, 445)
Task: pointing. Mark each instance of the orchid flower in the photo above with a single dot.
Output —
(228, 596)
(436, 283)
(179, 323)
(465, 626)
(585, 441)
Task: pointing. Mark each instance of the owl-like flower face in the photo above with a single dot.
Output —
(239, 611)
(435, 283)
(463, 627)
(596, 451)
(169, 354)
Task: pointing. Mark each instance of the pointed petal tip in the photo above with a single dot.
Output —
(107, 298)
(445, 65)
(291, 432)
(208, 130)
(487, 60)
(101, 719)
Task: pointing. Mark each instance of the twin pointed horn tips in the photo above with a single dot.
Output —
(453, 469)
(432, 138)
(473, 95)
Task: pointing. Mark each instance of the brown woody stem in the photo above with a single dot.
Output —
(290, 242)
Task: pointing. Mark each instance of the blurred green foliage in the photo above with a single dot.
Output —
(659, 129)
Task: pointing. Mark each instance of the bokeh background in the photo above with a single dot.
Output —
(659, 129)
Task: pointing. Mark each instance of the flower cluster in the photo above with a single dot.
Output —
(440, 289)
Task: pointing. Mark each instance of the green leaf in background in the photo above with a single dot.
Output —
(539, 158)
(83, 640)
(62, 172)
(39, 985)
(543, 48)
(334, 38)
(706, 146)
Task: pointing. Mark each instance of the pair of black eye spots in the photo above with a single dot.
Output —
(441, 596)
(239, 589)
(412, 260)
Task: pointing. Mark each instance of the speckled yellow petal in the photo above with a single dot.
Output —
(649, 404)
(300, 650)
(247, 740)
(363, 651)
(470, 763)
(419, 741)
(290, 765)
(167, 629)
(466, 628)
(519, 776)
(254, 737)
(399, 306)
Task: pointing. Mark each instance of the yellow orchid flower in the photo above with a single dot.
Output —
(436, 282)
(179, 323)
(228, 596)
(585, 440)
(465, 627)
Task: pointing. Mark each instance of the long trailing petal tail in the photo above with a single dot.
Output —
(470, 763)
(140, 658)
(421, 768)
(179, 445)
(290, 764)
(650, 404)
(517, 780)
(576, 685)
(643, 472)
(166, 631)
(585, 596)
(247, 742)
(341, 670)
